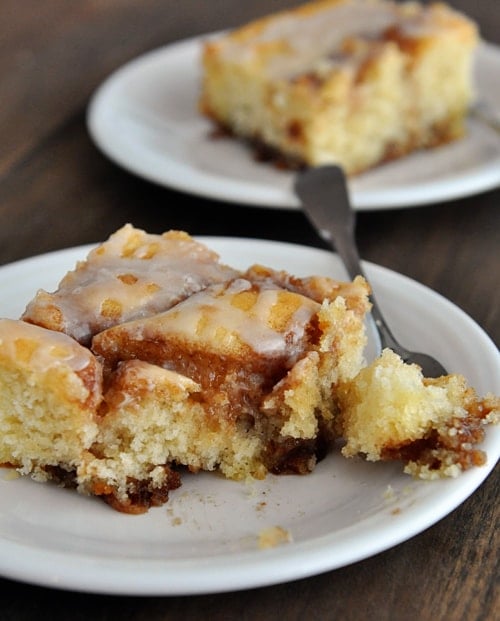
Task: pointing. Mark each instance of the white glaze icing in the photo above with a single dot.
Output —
(40, 349)
(314, 38)
(201, 317)
(131, 275)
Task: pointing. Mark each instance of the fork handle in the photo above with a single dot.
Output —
(344, 243)
(317, 188)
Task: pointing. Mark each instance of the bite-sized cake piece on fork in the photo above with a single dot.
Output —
(349, 82)
(132, 274)
(435, 426)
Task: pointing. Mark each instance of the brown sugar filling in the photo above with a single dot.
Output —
(140, 495)
(431, 449)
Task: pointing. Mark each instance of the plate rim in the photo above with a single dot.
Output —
(98, 572)
(216, 187)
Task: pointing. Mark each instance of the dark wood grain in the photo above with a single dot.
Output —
(57, 190)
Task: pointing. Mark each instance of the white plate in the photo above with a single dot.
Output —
(144, 117)
(205, 538)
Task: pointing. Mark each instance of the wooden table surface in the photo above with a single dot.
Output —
(57, 190)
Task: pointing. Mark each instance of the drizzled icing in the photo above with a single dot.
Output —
(132, 275)
(272, 322)
(39, 349)
(312, 36)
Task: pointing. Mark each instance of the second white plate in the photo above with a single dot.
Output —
(144, 117)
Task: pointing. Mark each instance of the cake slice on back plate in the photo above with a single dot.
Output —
(348, 82)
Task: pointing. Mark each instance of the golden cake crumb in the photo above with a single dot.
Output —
(273, 536)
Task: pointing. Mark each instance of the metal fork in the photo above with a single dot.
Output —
(324, 199)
